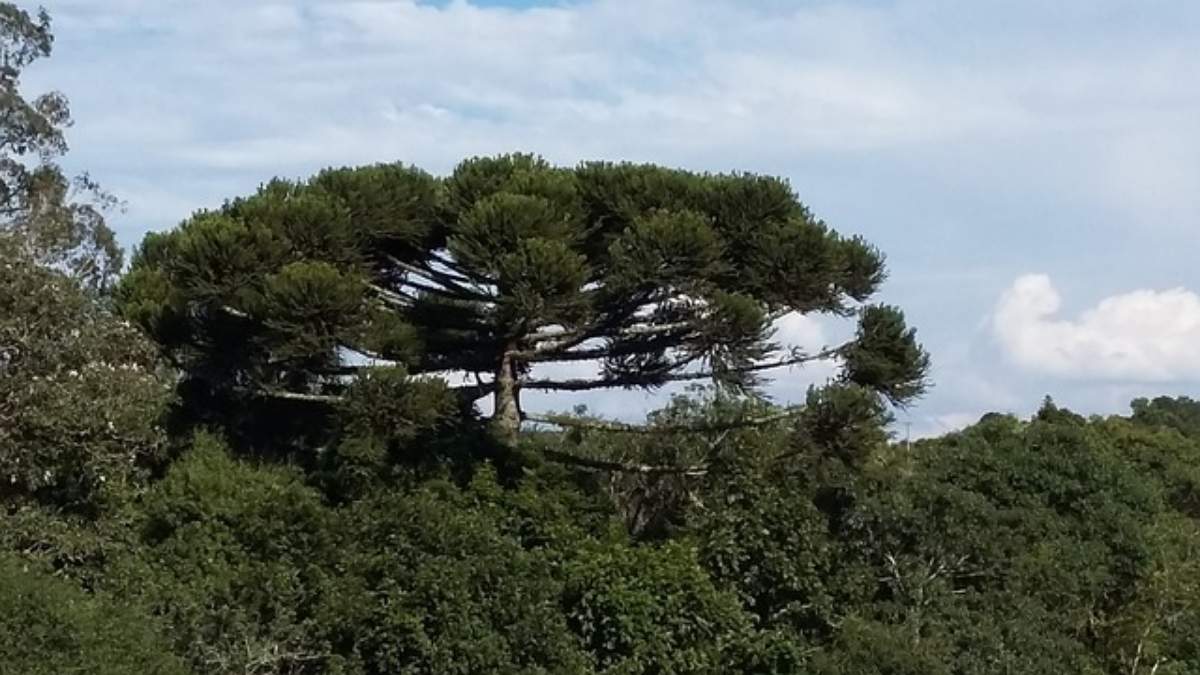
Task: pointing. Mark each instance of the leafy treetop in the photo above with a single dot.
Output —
(509, 263)
(45, 215)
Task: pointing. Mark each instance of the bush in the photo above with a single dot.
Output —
(49, 627)
(232, 557)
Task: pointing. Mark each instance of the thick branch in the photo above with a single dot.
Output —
(631, 331)
(452, 288)
(626, 348)
(394, 298)
(658, 378)
(470, 392)
(451, 264)
(474, 392)
(605, 326)
(562, 341)
(443, 292)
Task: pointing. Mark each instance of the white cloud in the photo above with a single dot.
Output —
(1140, 336)
(278, 88)
(931, 426)
(938, 128)
(800, 330)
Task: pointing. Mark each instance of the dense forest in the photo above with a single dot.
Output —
(288, 438)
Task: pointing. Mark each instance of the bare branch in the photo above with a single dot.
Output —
(453, 265)
(597, 353)
(603, 327)
(443, 292)
(469, 392)
(452, 288)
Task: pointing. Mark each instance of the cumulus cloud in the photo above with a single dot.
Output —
(1140, 336)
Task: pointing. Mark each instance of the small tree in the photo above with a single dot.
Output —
(509, 263)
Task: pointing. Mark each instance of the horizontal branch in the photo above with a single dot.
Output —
(425, 286)
(636, 330)
(391, 297)
(652, 346)
(640, 380)
(470, 392)
(328, 399)
(621, 427)
(691, 470)
(559, 349)
(461, 270)
(607, 326)
(448, 286)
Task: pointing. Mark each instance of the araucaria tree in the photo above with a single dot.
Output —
(509, 263)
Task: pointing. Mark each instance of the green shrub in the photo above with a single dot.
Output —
(50, 627)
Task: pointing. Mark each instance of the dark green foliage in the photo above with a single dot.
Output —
(773, 548)
(652, 610)
(347, 512)
(80, 394)
(81, 400)
(392, 425)
(844, 422)
(507, 263)
(885, 357)
(1044, 532)
(1181, 414)
(49, 627)
(231, 558)
(432, 583)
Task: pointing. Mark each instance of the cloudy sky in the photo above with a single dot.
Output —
(1031, 168)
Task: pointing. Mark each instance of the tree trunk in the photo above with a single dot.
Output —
(506, 415)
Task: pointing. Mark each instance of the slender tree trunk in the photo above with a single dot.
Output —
(506, 416)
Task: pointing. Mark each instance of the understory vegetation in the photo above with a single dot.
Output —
(812, 544)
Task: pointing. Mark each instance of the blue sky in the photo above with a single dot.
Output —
(1030, 168)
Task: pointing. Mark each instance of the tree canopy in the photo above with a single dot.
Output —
(508, 264)
(45, 215)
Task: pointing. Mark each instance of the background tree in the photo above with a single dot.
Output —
(45, 215)
(509, 264)
(81, 391)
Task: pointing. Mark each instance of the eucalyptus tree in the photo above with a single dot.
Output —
(79, 389)
(45, 215)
